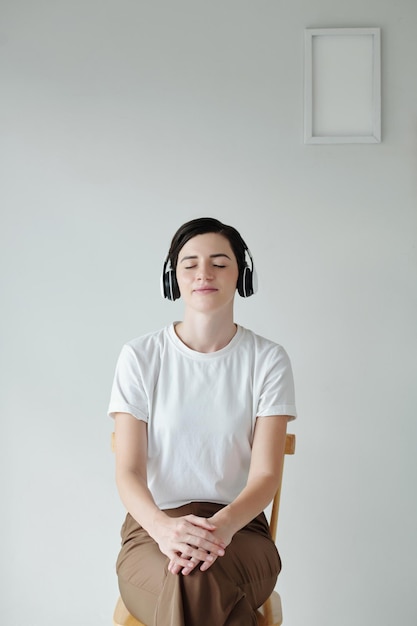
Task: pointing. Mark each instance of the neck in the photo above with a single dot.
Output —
(206, 334)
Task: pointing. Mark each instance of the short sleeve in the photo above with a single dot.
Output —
(277, 394)
(128, 394)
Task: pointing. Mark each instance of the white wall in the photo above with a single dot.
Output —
(119, 121)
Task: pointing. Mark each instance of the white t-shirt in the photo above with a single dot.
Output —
(201, 409)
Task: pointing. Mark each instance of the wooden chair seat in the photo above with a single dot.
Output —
(270, 613)
(122, 617)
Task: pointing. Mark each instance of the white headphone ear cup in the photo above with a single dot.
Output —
(244, 284)
(254, 281)
(170, 285)
(247, 283)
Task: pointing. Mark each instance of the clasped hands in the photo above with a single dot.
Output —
(191, 540)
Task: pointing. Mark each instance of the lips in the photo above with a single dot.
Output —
(204, 290)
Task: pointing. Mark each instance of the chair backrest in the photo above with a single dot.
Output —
(273, 521)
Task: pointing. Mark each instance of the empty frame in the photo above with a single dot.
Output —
(342, 85)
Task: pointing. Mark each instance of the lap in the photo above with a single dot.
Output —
(248, 569)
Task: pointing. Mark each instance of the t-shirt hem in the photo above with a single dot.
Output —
(166, 506)
(126, 408)
(280, 409)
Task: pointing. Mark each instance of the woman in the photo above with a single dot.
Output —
(201, 409)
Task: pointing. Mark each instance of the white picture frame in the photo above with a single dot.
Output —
(342, 87)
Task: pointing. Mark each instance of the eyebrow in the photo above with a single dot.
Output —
(212, 256)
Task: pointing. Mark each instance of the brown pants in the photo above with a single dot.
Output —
(227, 594)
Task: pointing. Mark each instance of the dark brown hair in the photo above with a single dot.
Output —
(203, 225)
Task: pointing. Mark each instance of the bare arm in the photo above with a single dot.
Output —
(268, 450)
(131, 444)
(180, 539)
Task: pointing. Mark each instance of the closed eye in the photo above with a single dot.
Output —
(190, 267)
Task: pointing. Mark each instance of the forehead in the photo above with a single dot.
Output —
(207, 243)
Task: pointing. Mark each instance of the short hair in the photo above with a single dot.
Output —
(201, 226)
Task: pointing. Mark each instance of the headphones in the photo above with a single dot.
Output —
(247, 281)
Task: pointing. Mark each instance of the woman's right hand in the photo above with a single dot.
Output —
(186, 541)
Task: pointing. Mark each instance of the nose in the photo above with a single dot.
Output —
(205, 272)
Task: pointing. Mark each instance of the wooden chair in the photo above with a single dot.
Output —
(270, 613)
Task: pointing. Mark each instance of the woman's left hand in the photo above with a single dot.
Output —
(223, 532)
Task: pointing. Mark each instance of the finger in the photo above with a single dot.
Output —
(177, 563)
(218, 547)
(205, 566)
(192, 565)
(202, 522)
(190, 552)
(175, 566)
(199, 538)
(194, 526)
